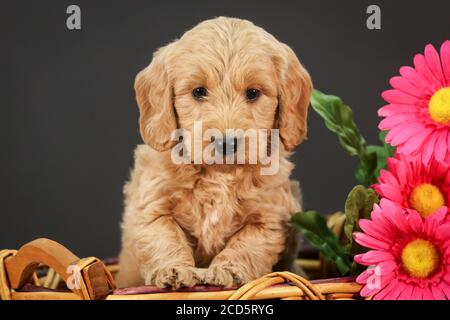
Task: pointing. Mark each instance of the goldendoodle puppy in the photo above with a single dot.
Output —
(196, 222)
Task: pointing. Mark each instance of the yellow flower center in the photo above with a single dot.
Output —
(420, 258)
(426, 199)
(439, 106)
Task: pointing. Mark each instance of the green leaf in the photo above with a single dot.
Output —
(383, 152)
(338, 118)
(359, 205)
(315, 230)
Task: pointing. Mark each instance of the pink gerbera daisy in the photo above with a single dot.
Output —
(411, 184)
(418, 113)
(410, 256)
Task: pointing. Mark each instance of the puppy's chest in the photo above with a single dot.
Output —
(210, 213)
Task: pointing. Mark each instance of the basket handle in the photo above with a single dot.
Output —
(93, 280)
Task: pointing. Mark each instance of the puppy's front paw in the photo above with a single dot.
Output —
(227, 275)
(175, 277)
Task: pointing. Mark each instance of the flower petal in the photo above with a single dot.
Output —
(392, 109)
(445, 59)
(445, 288)
(373, 257)
(416, 142)
(368, 291)
(443, 232)
(388, 177)
(362, 278)
(440, 149)
(400, 119)
(397, 96)
(369, 242)
(374, 230)
(433, 221)
(406, 293)
(415, 221)
(386, 267)
(428, 148)
(427, 294)
(412, 75)
(417, 293)
(434, 63)
(437, 293)
(422, 68)
(391, 192)
(402, 84)
(392, 291)
(376, 282)
(403, 133)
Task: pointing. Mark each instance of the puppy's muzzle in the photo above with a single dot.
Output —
(227, 145)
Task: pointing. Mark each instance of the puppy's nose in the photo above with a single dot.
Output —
(226, 146)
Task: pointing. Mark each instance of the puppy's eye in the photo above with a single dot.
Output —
(199, 93)
(252, 94)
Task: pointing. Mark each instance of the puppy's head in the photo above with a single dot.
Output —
(229, 74)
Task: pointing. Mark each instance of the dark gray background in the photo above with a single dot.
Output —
(68, 117)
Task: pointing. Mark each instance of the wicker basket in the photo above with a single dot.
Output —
(45, 270)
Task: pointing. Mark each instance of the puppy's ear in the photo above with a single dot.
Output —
(154, 95)
(294, 96)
